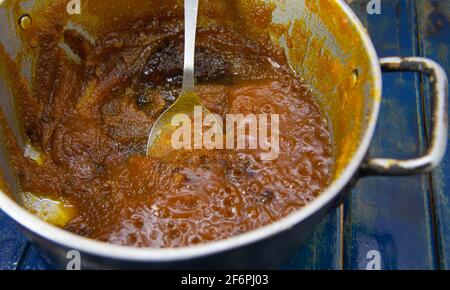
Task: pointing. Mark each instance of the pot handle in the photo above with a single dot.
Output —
(439, 120)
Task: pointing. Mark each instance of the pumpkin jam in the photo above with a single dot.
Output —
(92, 106)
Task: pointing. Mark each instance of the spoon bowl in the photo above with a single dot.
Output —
(160, 140)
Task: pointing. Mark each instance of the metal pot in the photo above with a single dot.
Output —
(328, 46)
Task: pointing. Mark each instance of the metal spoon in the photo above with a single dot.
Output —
(159, 142)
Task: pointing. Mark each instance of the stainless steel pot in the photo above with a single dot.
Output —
(327, 45)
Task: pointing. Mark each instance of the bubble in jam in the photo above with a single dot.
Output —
(25, 21)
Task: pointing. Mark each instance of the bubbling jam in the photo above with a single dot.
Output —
(92, 107)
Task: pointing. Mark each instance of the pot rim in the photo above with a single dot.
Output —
(133, 254)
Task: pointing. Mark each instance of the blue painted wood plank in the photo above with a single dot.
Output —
(386, 214)
(32, 260)
(12, 243)
(323, 250)
(434, 30)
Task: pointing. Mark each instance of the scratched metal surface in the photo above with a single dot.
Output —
(407, 220)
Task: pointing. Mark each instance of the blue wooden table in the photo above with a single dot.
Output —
(403, 221)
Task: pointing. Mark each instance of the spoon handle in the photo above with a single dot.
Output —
(190, 27)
